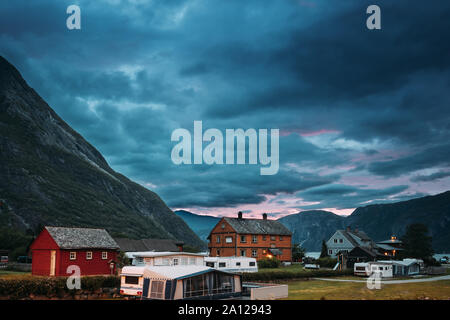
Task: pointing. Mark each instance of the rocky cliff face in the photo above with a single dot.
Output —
(50, 175)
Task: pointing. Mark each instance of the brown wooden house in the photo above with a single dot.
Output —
(257, 238)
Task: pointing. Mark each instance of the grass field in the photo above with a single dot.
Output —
(317, 289)
(5, 274)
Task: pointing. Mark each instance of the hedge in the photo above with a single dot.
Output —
(44, 286)
(289, 274)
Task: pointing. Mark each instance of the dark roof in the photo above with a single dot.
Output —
(81, 238)
(158, 245)
(258, 226)
(356, 238)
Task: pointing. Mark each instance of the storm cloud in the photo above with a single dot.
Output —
(363, 114)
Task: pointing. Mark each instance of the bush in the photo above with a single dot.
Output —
(45, 286)
(289, 275)
(269, 263)
(326, 262)
(431, 262)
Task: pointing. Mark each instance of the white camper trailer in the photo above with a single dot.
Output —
(368, 268)
(232, 264)
(132, 280)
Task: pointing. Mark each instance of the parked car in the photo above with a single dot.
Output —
(312, 266)
(444, 260)
(4, 259)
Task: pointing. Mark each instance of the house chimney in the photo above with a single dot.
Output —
(264, 216)
(240, 215)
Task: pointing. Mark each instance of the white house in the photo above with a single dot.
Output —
(151, 258)
(347, 240)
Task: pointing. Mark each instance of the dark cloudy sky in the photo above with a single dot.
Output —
(363, 115)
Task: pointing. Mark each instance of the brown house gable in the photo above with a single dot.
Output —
(258, 238)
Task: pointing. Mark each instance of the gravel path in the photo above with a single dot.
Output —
(390, 281)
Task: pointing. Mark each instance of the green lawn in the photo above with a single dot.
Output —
(5, 274)
(316, 290)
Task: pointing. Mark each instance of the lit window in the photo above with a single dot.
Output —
(218, 252)
(73, 256)
(104, 255)
(89, 255)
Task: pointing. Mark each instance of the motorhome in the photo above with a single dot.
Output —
(232, 264)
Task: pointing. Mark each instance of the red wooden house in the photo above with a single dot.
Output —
(56, 248)
(257, 238)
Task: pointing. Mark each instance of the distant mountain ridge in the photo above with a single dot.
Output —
(379, 221)
(50, 175)
(200, 224)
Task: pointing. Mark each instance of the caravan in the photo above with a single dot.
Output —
(366, 269)
(232, 264)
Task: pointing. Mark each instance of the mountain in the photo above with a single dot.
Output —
(50, 175)
(200, 224)
(379, 221)
(309, 228)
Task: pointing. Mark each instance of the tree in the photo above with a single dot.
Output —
(417, 242)
(297, 252)
(324, 251)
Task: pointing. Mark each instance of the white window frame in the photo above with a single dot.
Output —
(104, 255)
(217, 239)
(72, 255)
(254, 239)
(228, 239)
(89, 255)
(254, 253)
